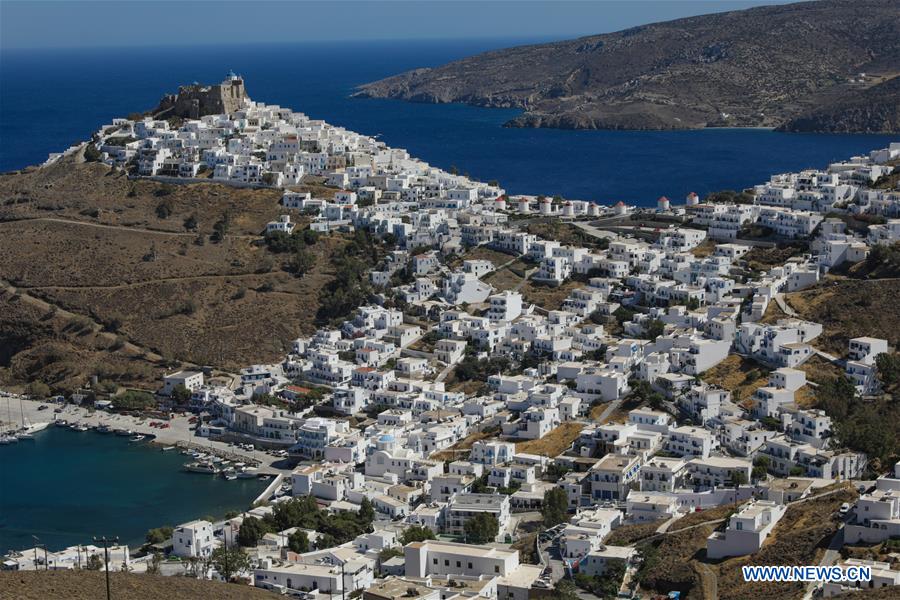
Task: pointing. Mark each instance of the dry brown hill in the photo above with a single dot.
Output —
(91, 585)
(755, 67)
(105, 274)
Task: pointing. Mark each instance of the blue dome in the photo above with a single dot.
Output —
(386, 438)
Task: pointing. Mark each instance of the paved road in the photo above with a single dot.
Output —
(832, 554)
(784, 306)
(609, 410)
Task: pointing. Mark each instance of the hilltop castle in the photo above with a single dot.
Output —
(195, 100)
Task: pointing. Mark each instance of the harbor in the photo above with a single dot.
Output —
(81, 473)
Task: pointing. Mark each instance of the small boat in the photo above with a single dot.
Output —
(187, 452)
(201, 467)
(4, 440)
(168, 448)
(123, 432)
(61, 423)
(24, 435)
(248, 473)
(229, 474)
(104, 428)
(137, 438)
(80, 427)
(35, 427)
(265, 477)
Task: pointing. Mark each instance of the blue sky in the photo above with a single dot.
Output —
(75, 23)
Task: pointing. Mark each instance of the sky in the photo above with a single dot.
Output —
(32, 24)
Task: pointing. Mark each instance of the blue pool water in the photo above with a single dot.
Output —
(50, 99)
(66, 486)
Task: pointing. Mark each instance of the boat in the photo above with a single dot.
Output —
(229, 474)
(35, 427)
(248, 473)
(61, 423)
(80, 427)
(265, 477)
(168, 448)
(137, 438)
(104, 428)
(123, 432)
(201, 467)
(24, 435)
(5, 440)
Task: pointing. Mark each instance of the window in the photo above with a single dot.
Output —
(496, 568)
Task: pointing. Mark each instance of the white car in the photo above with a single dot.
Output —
(845, 508)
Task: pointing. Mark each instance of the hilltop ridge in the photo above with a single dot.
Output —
(759, 67)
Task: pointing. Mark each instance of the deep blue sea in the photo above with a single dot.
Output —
(50, 99)
(65, 487)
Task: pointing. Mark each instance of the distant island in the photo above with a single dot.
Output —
(828, 66)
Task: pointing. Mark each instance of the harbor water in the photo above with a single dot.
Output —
(65, 487)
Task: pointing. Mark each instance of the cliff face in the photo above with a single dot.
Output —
(757, 67)
(195, 101)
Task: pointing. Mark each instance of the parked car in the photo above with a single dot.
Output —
(43, 407)
(845, 508)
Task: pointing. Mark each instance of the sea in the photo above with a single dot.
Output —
(64, 487)
(50, 99)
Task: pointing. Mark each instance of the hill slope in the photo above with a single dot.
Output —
(756, 67)
(90, 585)
(102, 275)
(873, 110)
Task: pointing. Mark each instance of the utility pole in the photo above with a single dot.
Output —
(38, 544)
(105, 541)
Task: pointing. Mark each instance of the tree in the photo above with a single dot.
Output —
(301, 262)
(760, 467)
(91, 154)
(479, 486)
(94, 562)
(164, 209)
(134, 401)
(252, 530)
(38, 389)
(153, 565)
(181, 394)
(366, 511)
(325, 540)
(159, 535)
(556, 506)
(228, 562)
(220, 228)
(298, 542)
(654, 329)
(738, 478)
(481, 529)
(888, 368)
(416, 533)
(191, 223)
